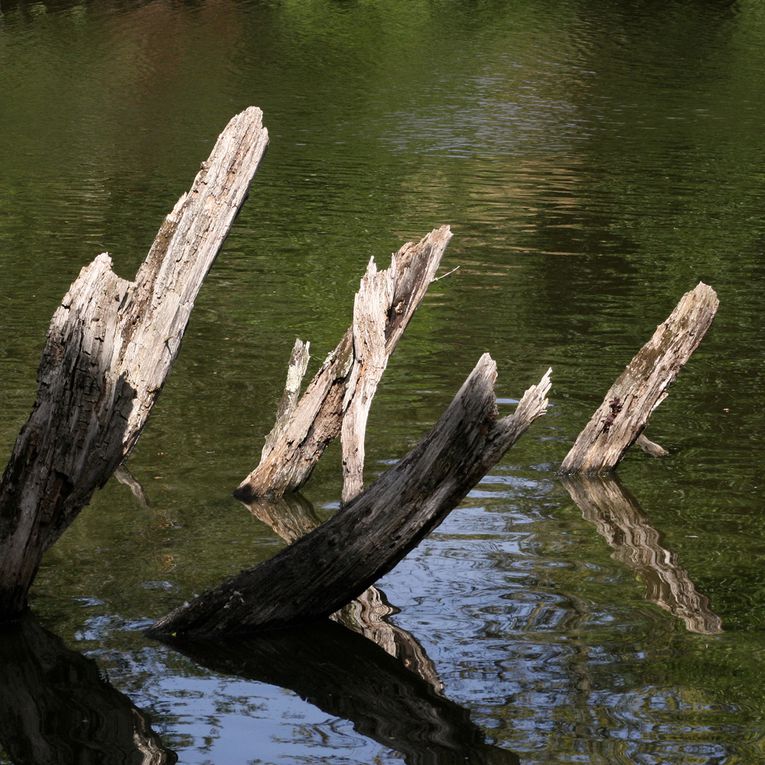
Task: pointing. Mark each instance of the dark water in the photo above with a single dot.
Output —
(595, 160)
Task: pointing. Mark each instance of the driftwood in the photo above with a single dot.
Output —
(292, 517)
(321, 572)
(620, 419)
(620, 521)
(338, 398)
(110, 346)
(347, 676)
(56, 707)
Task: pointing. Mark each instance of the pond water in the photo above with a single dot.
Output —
(595, 161)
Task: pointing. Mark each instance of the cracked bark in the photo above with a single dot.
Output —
(110, 346)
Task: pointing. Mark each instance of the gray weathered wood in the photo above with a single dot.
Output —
(618, 518)
(110, 346)
(643, 385)
(321, 572)
(340, 394)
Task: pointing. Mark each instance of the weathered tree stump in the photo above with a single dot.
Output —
(620, 419)
(337, 400)
(110, 346)
(321, 572)
(618, 518)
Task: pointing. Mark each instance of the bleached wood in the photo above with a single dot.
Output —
(618, 518)
(110, 346)
(321, 572)
(643, 385)
(340, 394)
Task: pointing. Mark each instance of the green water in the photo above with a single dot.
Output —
(595, 161)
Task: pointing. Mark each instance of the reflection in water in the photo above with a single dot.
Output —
(620, 521)
(348, 676)
(293, 516)
(57, 709)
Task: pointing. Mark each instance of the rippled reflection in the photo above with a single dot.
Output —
(56, 708)
(620, 521)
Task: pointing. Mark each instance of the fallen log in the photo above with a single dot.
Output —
(321, 572)
(338, 398)
(618, 518)
(292, 517)
(110, 346)
(644, 384)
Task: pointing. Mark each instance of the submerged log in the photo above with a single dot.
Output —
(620, 419)
(618, 518)
(292, 517)
(321, 572)
(110, 346)
(340, 394)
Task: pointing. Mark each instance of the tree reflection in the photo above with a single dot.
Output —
(348, 676)
(620, 521)
(56, 708)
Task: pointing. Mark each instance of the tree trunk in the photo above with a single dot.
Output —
(642, 386)
(321, 572)
(340, 394)
(620, 521)
(110, 346)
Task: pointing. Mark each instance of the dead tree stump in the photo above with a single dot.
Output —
(338, 398)
(321, 572)
(110, 346)
(644, 384)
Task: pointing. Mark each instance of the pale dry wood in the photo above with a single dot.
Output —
(292, 517)
(650, 447)
(110, 346)
(618, 518)
(321, 572)
(340, 394)
(643, 385)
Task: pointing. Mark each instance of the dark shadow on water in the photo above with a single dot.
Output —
(348, 676)
(56, 708)
(618, 518)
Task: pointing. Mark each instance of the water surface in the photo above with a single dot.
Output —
(595, 161)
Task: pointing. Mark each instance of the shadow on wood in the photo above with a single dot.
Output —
(110, 346)
(293, 516)
(56, 708)
(618, 518)
(350, 677)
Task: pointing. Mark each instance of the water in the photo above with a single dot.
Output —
(595, 161)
